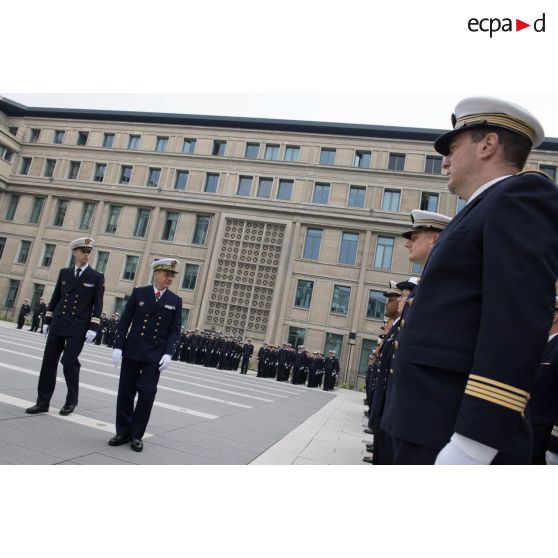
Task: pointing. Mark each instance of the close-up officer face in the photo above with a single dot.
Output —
(82, 256)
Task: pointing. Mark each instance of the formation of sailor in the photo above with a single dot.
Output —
(72, 318)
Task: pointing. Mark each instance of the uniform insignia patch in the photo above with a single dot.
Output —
(88, 285)
(141, 303)
(168, 307)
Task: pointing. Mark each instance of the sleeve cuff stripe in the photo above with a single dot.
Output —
(555, 431)
(498, 392)
(499, 384)
(95, 320)
(49, 314)
(491, 399)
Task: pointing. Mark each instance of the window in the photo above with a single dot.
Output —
(36, 210)
(549, 170)
(312, 244)
(120, 303)
(82, 138)
(460, 204)
(264, 188)
(130, 268)
(211, 183)
(368, 346)
(87, 210)
(108, 140)
(12, 207)
(271, 152)
(340, 299)
(34, 134)
(321, 193)
(102, 261)
(181, 180)
(58, 136)
(100, 169)
(433, 164)
(429, 201)
(49, 167)
(376, 305)
(296, 336)
(2, 245)
(200, 230)
(12, 293)
(190, 276)
(153, 177)
(185, 316)
(38, 291)
(333, 342)
(252, 150)
(219, 148)
(169, 227)
(142, 220)
(292, 153)
(391, 200)
(416, 269)
(189, 146)
(285, 189)
(48, 255)
(357, 196)
(303, 297)
(396, 161)
(60, 215)
(73, 170)
(327, 156)
(113, 218)
(134, 141)
(362, 159)
(6, 153)
(244, 186)
(125, 174)
(25, 165)
(161, 144)
(24, 248)
(349, 246)
(384, 252)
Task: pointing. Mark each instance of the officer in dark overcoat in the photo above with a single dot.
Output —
(145, 341)
(72, 318)
(331, 371)
(38, 314)
(24, 311)
(465, 368)
(247, 352)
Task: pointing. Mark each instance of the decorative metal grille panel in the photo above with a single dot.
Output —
(247, 268)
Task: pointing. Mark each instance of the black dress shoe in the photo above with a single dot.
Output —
(137, 444)
(118, 440)
(36, 409)
(67, 409)
(370, 447)
(367, 459)
(369, 431)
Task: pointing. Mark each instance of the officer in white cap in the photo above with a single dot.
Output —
(145, 340)
(72, 318)
(465, 367)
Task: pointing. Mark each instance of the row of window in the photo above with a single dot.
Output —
(170, 222)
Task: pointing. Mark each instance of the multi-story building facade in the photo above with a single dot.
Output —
(285, 230)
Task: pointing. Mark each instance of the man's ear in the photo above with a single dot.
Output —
(489, 145)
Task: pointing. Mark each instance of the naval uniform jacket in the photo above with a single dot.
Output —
(149, 329)
(77, 303)
(470, 348)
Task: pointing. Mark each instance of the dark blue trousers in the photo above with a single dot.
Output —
(141, 378)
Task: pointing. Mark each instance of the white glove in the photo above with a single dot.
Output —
(90, 336)
(45, 330)
(164, 362)
(116, 357)
(465, 451)
(551, 458)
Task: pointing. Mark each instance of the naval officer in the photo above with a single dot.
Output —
(72, 318)
(145, 340)
(465, 368)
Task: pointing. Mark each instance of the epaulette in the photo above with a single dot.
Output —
(535, 172)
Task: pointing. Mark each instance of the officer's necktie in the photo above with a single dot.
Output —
(78, 272)
(157, 295)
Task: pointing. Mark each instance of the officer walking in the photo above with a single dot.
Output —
(247, 352)
(72, 318)
(23, 313)
(145, 341)
(38, 314)
(465, 368)
(331, 371)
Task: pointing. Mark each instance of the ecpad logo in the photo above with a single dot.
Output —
(494, 24)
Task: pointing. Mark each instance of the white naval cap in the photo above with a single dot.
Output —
(474, 112)
(392, 290)
(409, 284)
(83, 242)
(166, 264)
(426, 220)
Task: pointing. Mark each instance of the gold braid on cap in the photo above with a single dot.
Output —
(496, 119)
